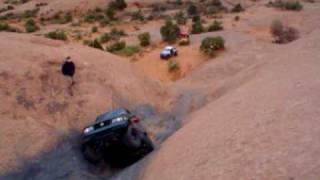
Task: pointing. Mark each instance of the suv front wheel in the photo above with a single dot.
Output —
(91, 153)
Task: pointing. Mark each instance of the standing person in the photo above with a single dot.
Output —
(69, 69)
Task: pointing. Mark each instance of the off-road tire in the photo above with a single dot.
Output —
(90, 154)
(132, 138)
(147, 143)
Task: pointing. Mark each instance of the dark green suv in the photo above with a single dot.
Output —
(115, 137)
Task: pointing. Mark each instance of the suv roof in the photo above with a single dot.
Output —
(113, 114)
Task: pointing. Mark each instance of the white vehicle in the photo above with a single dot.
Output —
(168, 52)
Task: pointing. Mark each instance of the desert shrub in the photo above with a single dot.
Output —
(103, 22)
(115, 34)
(92, 16)
(276, 28)
(173, 66)
(214, 6)
(105, 37)
(30, 13)
(283, 34)
(216, 3)
(10, 7)
(294, 6)
(6, 9)
(215, 26)
(212, 10)
(31, 26)
(128, 51)
(57, 35)
(196, 18)
(210, 45)
(137, 16)
(170, 31)
(197, 27)
(78, 36)
(117, 46)
(95, 44)
(180, 18)
(192, 10)
(94, 29)
(178, 2)
(118, 4)
(41, 4)
(237, 8)
(6, 27)
(110, 13)
(87, 42)
(67, 18)
(287, 5)
(144, 39)
(237, 18)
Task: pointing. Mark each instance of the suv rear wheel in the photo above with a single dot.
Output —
(133, 138)
(147, 143)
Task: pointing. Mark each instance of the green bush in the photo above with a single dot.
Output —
(66, 18)
(94, 29)
(128, 51)
(173, 66)
(137, 16)
(57, 35)
(216, 3)
(105, 37)
(178, 2)
(170, 31)
(117, 46)
(215, 26)
(95, 44)
(118, 4)
(103, 22)
(277, 28)
(144, 39)
(212, 10)
(196, 18)
(109, 12)
(92, 16)
(31, 26)
(197, 27)
(30, 13)
(294, 6)
(210, 45)
(6, 27)
(192, 10)
(283, 34)
(287, 5)
(115, 34)
(237, 8)
(180, 18)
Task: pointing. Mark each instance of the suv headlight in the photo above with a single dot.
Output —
(88, 130)
(119, 119)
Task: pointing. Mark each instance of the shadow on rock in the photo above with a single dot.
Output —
(64, 161)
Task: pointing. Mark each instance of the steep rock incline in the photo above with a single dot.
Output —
(265, 128)
(36, 106)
